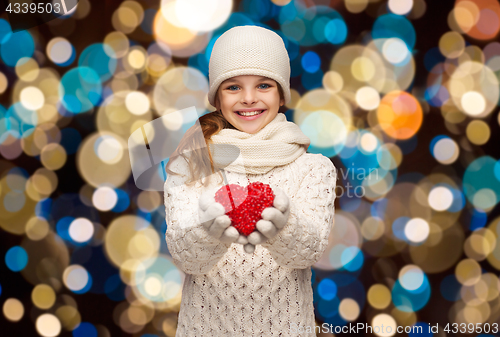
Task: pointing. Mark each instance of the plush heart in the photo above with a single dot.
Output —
(244, 205)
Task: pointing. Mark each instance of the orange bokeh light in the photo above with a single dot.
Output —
(482, 25)
(399, 114)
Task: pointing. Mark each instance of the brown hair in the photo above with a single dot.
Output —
(201, 163)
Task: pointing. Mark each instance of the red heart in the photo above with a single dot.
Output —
(244, 205)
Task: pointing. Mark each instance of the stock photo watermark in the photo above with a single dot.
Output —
(26, 14)
(358, 328)
(355, 174)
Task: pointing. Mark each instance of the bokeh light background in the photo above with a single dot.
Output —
(403, 95)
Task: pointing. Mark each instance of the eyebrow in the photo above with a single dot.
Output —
(262, 78)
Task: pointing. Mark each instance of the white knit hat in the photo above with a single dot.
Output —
(249, 50)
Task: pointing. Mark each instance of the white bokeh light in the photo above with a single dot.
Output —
(473, 103)
(400, 7)
(109, 149)
(411, 277)
(440, 198)
(104, 198)
(417, 230)
(385, 320)
(59, 50)
(137, 103)
(367, 98)
(48, 325)
(75, 277)
(368, 142)
(446, 151)
(199, 15)
(81, 230)
(395, 50)
(153, 285)
(32, 98)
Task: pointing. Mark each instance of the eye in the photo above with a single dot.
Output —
(268, 86)
(232, 86)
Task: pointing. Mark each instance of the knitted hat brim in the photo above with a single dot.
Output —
(249, 71)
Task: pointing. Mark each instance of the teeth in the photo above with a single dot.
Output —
(249, 113)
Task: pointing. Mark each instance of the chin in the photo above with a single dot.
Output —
(251, 131)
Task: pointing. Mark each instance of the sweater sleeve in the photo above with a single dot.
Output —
(192, 249)
(304, 238)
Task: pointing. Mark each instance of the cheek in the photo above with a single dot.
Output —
(227, 114)
(226, 101)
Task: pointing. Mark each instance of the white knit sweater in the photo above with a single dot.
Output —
(228, 292)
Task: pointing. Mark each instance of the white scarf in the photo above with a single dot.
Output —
(278, 143)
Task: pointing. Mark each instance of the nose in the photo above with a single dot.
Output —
(249, 97)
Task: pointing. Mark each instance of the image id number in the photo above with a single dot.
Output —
(471, 328)
(35, 8)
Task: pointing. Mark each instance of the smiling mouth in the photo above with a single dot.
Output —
(248, 114)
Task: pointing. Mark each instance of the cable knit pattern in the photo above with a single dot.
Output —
(228, 292)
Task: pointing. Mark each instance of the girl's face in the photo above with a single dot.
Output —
(249, 93)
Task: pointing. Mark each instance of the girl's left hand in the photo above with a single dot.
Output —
(273, 220)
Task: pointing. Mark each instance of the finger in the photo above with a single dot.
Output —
(274, 215)
(256, 238)
(230, 235)
(267, 228)
(215, 210)
(249, 248)
(219, 226)
(207, 217)
(281, 200)
(242, 239)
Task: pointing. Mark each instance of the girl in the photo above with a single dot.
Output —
(258, 285)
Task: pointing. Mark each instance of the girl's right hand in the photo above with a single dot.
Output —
(214, 219)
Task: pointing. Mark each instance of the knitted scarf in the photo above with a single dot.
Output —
(278, 143)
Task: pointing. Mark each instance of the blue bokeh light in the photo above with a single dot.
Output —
(85, 329)
(478, 219)
(336, 31)
(328, 308)
(312, 81)
(398, 227)
(327, 289)
(392, 25)
(16, 258)
(411, 300)
(5, 30)
(114, 288)
(311, 62)
(101, 58)
(17, 121)
(123, 201)
(352, 258)
(480, 174)
(450, 288)
(80, 89)
(16, 46)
